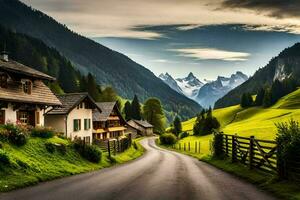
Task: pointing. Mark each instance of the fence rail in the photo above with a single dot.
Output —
(260, 154)
(114, 146)
(192, 147)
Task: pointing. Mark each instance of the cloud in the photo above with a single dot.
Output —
(275, 8)
(212, 54)
(119, 18)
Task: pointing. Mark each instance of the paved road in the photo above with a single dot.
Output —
(159, 174)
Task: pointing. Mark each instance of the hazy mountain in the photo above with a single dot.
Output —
(108, 66)
(170, 81)
(188, 86)
(213, 90)
(285, 65)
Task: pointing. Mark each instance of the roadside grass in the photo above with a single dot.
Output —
(270, 183)
(32, 163)
(131, 153)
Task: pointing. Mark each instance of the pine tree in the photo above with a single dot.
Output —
(127, 111)
(108, 95)
(267, 98)
(260, 97)
(136, 108)
(177, 126)
(92, 87)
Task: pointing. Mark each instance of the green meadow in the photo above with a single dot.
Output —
(254, 121)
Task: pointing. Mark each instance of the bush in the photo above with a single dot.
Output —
(3, 134)
(167, 139)
(22, 164)
(288, 141)
(183, 135)
(92, 153)
(42, 132)
(217, 145)
(61, 148)
(1, 145)
(50, 147)
(16, 134)
(4, 158)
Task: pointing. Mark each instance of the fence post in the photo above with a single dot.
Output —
(184, 147)
(195, 146)
(189, 146)
(199, 147)
(226, 139)
(251, 152)
(233, 149)
(179, 146)
(118, 141)
(115, 150)
(108, 148)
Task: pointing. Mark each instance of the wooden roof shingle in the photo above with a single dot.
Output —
(69, 102)
(18, 68)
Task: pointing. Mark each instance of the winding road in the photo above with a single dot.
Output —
(159, 174)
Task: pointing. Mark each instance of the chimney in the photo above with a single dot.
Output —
(4, 56)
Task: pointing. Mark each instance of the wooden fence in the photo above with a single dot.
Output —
(114, 146)
(260, 154)
(192, 147)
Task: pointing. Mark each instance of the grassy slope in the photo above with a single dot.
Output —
(256, 121)
(42, 165)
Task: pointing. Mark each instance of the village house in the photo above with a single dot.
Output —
(108, 124)
(24, 97)
(74, 117)
(144, 128)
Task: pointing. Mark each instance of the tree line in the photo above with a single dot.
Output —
(268, 96)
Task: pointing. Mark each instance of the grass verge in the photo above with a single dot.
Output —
(32, 163)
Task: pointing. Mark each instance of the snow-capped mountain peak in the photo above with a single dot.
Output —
(170, 81)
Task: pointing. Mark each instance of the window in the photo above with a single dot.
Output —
(27, 86)
(3, 80)
(77, 124)
(23, 117)
(87, 124)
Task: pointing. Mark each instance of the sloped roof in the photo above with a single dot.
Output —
(40, 94)
(18, 68)
(106, 108)
(143, 123)
(69, 101)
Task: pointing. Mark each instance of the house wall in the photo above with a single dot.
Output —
(131, 131)
(57, 122)
(11, 115)
(82, 114)
(149, 131)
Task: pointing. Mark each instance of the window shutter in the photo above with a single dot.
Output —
(75, 124)
(79, 124)
(85, 124)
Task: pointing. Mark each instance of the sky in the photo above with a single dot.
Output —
(206, 37)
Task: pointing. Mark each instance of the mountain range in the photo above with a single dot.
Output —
(207, 93)
(109, 67)
(284, 66)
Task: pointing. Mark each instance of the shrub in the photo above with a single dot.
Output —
(50, 147)
(3, 134)
(1, 145)
(288, 141)
(184, 135)
(167, 139)
(22, 164)
(42, 132)
(16, 134)
(92, 153)
(4, 158)
(61, 148)
(217, 145)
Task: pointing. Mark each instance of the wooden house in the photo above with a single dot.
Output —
(144, 128)
(24, 97)
(109, 123)
(74, 117)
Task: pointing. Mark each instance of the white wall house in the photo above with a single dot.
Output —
(23, 95)
(74, 117)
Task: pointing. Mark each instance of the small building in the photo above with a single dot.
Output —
(144, 128)
(74, 117)
(24, 97)
(109, 123)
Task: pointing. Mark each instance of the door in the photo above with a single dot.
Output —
(2, 116)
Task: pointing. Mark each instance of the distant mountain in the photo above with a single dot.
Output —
(109, 67)
(285, 65)
(213, 90)
(170, 81)
(188, 86)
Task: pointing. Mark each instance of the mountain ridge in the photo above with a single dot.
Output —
(108, 66)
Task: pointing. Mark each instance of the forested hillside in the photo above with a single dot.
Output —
(285, 66)
(36, 54)
(108, 66)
